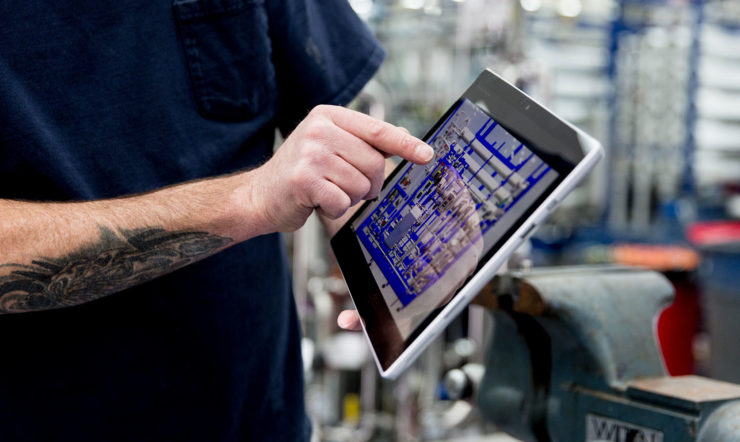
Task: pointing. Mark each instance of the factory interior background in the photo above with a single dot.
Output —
(658, 84)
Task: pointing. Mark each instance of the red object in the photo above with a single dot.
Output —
(677, 326)
(679, 322)
(714, 232)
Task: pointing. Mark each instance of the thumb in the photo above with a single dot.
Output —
(349, 320)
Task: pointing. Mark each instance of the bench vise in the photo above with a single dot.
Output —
(573, 356)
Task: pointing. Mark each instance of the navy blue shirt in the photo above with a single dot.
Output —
(103, 98)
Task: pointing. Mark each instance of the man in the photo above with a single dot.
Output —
(107, 107)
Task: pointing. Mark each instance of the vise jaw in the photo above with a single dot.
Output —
(573, 356)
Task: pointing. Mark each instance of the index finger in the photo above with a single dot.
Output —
(383, 136)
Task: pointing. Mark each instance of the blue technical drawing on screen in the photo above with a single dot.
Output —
(431, 214)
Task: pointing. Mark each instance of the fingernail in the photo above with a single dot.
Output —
(424, 152)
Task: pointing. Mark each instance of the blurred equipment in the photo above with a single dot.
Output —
(574, 357)
(652, 101)
(566, 43)
(717, 126)
(719, 243)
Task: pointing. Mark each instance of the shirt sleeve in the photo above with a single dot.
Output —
(323, 54)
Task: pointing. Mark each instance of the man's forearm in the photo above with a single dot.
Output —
(62, 254)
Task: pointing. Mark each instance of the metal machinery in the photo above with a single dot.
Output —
(573, 356)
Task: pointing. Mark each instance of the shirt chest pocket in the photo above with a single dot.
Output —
(228, 52)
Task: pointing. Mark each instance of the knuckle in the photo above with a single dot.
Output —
(377, 129)
(408, 142)
(375, 187)
(364, 187)
(340, 211)
(316, 129)
(317, 189)
(377, 162)
(359, 191)
(322, 110)
(335, 203)
(301, 166)
(318, 195)
(318, 110)
(316, 163)
(373, 194)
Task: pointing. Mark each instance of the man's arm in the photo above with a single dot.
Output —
(56, 255)
(61, 254)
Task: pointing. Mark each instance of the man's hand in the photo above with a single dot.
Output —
(334, 159)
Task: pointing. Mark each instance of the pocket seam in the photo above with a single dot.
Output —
(192, 9)
(191, 46)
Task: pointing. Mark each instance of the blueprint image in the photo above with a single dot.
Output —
(429, 217)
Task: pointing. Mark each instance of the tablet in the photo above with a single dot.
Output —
(414, 257)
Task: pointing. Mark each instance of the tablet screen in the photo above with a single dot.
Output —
(432, 225)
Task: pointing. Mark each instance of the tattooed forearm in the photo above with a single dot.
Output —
(113, 263)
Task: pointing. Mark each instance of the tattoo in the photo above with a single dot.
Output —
(113, 263)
